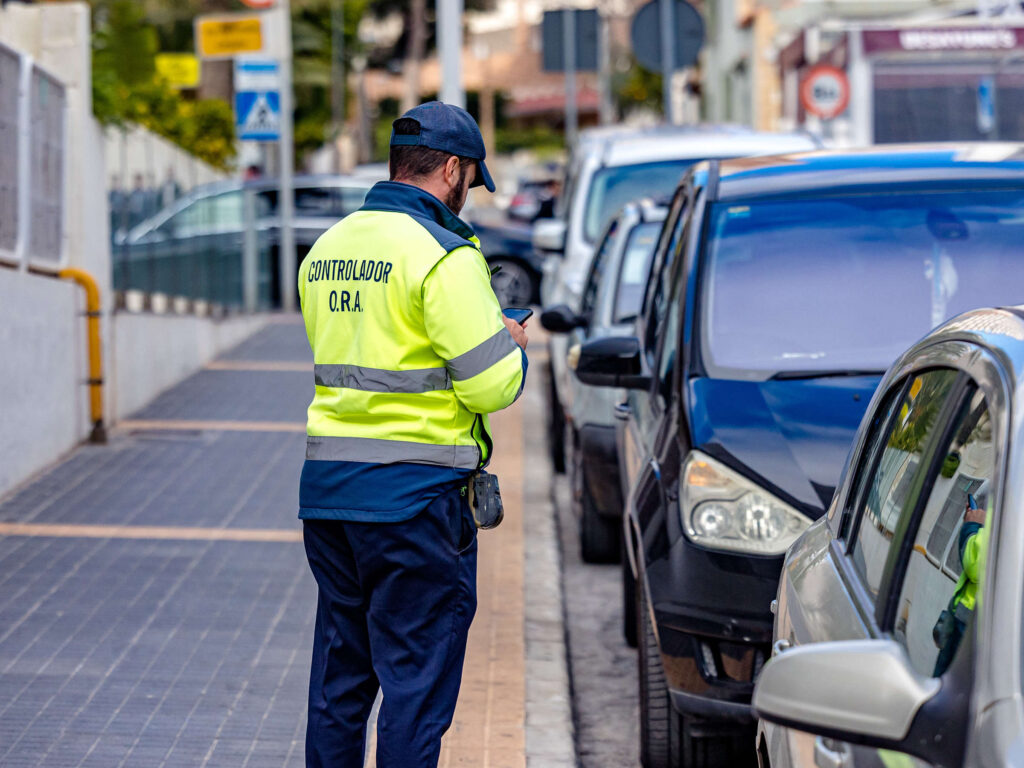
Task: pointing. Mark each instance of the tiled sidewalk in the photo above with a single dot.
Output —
(179, 632)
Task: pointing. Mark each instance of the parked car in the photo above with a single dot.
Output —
(208, 224)
(609, 168)
(612, 296)
(507, 244)
(886, 653)
(781, 289)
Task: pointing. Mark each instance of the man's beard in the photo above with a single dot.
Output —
(456, 197)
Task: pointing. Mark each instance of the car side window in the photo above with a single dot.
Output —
(888, 490)
(943, 569)
(661, 287)
(599, 267)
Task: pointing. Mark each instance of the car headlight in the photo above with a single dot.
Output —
(721, 509)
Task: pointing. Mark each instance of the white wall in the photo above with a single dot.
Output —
(43, 405)
(154, 352)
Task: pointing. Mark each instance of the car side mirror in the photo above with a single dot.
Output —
(561, 319)
(549, 235)
(858, 691)
(613, 361)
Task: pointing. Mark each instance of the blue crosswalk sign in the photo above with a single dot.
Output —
(258, 115)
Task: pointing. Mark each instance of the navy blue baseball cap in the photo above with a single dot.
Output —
(449, 129)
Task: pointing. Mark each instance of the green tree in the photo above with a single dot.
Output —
(127, 89)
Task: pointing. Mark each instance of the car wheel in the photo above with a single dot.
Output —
(513, 284)
(599, 535)
(671, 740)
(658, 720)
(629, 610)
(556, 426)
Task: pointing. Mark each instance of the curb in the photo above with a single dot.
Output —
(550, 735)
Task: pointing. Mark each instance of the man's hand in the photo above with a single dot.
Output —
(518, 331)
(975, 515)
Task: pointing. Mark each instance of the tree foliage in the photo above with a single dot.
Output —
(127, 89)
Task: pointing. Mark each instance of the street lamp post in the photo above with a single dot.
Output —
(449, 33)
(286, 200)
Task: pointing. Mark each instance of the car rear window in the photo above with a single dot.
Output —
(612, 188)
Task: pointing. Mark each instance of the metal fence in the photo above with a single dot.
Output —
(177, 225)
(33, 159)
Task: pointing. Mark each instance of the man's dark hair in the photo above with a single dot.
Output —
(416, 162)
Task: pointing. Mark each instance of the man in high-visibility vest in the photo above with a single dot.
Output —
(972, 543)
(411, 353)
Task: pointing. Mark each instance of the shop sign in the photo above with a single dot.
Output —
(940, 39)
(825, 91)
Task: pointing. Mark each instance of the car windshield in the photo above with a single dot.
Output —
(612, 188)
(636, 264)
(848, 283)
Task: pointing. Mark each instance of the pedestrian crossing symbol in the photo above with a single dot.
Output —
(258, 115)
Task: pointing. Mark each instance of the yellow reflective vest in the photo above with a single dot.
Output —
(410, 355)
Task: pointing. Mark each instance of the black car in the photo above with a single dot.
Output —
(780, 291)
(508, 245)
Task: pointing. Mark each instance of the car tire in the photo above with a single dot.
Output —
(671, 740)
(599, 535)
(514, 285)
(629, 609)
(556, 426)
(658, 720)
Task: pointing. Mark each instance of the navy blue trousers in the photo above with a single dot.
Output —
(394, 608)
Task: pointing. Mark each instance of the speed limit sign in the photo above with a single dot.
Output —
(825, 91)
(260, 4)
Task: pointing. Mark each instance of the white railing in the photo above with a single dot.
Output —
(33, 164)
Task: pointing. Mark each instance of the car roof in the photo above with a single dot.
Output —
(649, 145)
(999, 330)
(907, 165)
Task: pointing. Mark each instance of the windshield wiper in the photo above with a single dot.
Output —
(823, 374)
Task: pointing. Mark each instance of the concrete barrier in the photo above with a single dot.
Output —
(154, 352)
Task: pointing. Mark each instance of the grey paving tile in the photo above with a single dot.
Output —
(125, 652)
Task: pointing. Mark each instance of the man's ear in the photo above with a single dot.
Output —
(451, 171)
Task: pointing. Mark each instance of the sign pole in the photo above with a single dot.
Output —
(286, 200)
(449, 33)
(668, 51)
(569, 49)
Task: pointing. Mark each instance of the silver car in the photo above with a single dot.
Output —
(900, 614)
(612, 296)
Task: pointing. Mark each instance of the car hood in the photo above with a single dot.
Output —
(793, 435)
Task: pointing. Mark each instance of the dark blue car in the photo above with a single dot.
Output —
(781, 290)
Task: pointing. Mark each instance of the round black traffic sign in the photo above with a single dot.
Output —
(646, 34)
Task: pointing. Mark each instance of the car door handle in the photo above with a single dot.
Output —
(781, 646)
(827, 757)
(622, 411)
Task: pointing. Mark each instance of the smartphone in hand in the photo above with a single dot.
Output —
(519, 314)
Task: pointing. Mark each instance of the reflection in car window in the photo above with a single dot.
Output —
(873, 444)
(890, 490)
(633, 272)
(939, 591)
(611, 188)
(598, 267)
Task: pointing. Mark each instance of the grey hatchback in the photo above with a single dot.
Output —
(613, 293)
(899, 618)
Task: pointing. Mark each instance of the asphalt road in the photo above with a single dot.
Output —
(602, 666)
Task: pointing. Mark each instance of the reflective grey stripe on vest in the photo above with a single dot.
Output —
(380, 380)
(373, 451)
(482, 356)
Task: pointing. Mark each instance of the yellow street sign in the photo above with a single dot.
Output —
(180, 70)
(226, 35)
